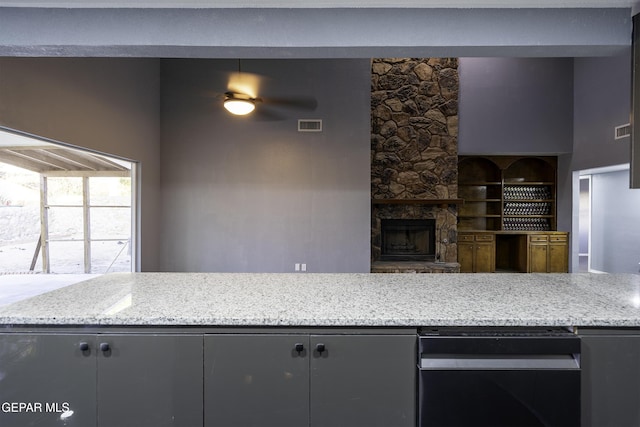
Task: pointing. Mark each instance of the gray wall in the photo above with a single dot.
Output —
(559, 106)
(516, 105)
(241, 194)
(602, 100)
(108, 105)
(615, 229)
(311, 190)
(520, 106)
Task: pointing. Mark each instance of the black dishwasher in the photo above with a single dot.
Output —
(499, 377)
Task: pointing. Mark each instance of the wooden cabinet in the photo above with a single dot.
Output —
(102, 380)
(512, 198)
(476, 252)
(480, 186)
(548, 253)
(510, 193)
(538, 254)
(314, 380)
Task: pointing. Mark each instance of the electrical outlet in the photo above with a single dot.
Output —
(297, 267)
(303, 267)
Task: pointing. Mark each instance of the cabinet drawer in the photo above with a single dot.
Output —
(484, 237)
(558, 238)
(539, 238)
(465, 237)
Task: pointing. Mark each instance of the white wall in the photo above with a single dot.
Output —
(615, 225)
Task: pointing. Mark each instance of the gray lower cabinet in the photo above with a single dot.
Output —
(50, 376)
(315, 380)
(150, 380)
(101, 380)
(256, 380)
(610, 378)
(363, 380)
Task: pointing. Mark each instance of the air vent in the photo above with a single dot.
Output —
(310, 125)
(623, 131)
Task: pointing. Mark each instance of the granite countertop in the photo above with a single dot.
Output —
(345, 300)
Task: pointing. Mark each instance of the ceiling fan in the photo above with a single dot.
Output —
(241, 97)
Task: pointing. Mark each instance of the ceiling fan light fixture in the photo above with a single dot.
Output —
(238, 105)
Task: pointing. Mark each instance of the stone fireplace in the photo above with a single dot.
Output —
(414, 163)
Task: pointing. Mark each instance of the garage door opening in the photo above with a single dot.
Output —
(64, 210)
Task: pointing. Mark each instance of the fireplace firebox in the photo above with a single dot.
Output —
(408, 240)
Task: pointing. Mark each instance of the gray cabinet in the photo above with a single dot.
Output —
(307, 379)
(150, 380)
(103, 380)
(363, 380)
(256, 380)
(610, 378)
(51, 375)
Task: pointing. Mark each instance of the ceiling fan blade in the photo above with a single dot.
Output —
(266, 114)
(211, 94)
(306, 103)
(245, 83)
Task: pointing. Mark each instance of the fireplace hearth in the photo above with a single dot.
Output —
(408, 240)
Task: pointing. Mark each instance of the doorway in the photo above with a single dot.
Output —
(608, 229)
(584, 224)
(65, 210)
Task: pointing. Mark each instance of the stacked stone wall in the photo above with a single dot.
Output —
(414, 143)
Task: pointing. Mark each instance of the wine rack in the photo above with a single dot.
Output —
(507, 193)
(526, 192)
(526, 224)
(527, 208)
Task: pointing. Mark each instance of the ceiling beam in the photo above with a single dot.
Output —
(28, 160)
(56, 159)
(314, 32)
(288, 4)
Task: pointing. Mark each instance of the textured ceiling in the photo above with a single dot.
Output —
(322, 3)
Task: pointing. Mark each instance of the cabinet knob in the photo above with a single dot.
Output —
(105, 346)
(299, 347)
(320, 348)
(84, 346)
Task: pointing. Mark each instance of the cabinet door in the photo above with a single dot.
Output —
(465, 256)
(558, 257)
(256, 380)
(363, 380)
(611, 381)
(52, 375)
(485, 257)
(538, 253)
(150, 380)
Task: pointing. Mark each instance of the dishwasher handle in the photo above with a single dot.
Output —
(433, 362)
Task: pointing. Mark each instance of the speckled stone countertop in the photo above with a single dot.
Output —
(344, 300)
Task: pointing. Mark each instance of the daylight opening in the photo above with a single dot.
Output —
(62, 209)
